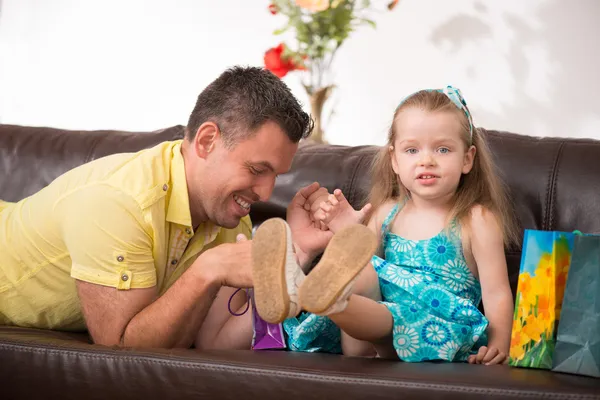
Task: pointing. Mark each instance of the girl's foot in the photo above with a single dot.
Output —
(327, 288)
(275, 272)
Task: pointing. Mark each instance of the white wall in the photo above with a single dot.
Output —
(524, 66)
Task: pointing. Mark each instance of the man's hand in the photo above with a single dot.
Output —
(230, 264)
(488, 356)
(309, 239)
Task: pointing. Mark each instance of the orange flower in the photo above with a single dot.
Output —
(546, 266)
(534, 327)
(517, 344)
(392, 4)
(313, 5)
(525, 283)
(526, 291)
(545, 309)
(278, 64)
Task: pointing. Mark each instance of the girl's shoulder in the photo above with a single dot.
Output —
(481, 215)
(481, 220)
(382, 212)
(386, 208)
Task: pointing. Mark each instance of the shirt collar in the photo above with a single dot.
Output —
(179, 202)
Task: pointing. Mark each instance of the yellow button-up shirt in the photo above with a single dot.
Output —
(121, 221)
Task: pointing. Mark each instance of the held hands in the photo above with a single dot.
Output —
(488, 356)
(335, 212)
(309, 239)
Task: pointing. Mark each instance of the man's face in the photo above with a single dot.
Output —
(239, 176)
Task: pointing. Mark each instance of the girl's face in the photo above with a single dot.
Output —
(429, 154)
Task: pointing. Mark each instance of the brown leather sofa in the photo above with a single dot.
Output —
(555, 185)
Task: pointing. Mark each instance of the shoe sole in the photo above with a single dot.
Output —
(348, 252)
(269, 247)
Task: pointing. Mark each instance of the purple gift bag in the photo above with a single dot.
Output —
(266, 335)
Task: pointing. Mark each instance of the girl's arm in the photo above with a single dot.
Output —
(487, 247)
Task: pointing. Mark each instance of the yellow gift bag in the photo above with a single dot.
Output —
(543, 275)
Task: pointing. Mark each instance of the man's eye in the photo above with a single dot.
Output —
(256, 171)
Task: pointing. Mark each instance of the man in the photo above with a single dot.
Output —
(141, 249)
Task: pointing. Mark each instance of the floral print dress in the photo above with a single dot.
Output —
(431, 294)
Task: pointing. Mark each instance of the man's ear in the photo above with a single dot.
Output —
(205, 139)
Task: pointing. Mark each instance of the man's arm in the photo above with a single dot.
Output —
(112, 263)
(137, 318)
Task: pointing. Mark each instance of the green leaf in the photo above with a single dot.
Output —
(370, 22)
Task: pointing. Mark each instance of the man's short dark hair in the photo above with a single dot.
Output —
(242, 99)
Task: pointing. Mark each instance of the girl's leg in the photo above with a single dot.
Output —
(220, 329)
(364, 311)
(367, 285)
(351, 300)
(366, 320)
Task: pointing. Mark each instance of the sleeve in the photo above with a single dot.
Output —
(109, 242)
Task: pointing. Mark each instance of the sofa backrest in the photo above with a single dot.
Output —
(554, 183)
(32, 157)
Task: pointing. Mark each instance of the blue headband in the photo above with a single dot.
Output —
(455, 96)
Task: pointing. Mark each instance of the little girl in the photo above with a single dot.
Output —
(442, 219)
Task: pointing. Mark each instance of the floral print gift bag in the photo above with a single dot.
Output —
(545, 263)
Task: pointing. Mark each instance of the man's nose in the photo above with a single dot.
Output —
(264, 189)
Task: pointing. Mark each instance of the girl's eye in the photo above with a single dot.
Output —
(444, 150)
(411, 151)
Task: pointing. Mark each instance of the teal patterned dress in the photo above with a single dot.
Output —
(432, 295)
(430, 292)
(313, 334)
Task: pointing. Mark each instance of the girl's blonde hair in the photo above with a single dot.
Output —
(480, 186)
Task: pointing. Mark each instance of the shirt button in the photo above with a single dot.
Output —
(165, 187)
(120, 258)
(188, 231)
(124, 277)
(174, 261)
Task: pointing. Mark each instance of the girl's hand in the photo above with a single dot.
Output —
(488, 356)
(337, 213)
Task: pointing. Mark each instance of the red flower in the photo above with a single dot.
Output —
(278, 64)
(273, 9)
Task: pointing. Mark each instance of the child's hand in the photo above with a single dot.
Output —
(488, 356)
(337, 213)
(313, 206)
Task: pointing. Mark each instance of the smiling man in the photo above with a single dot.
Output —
(144, 249)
